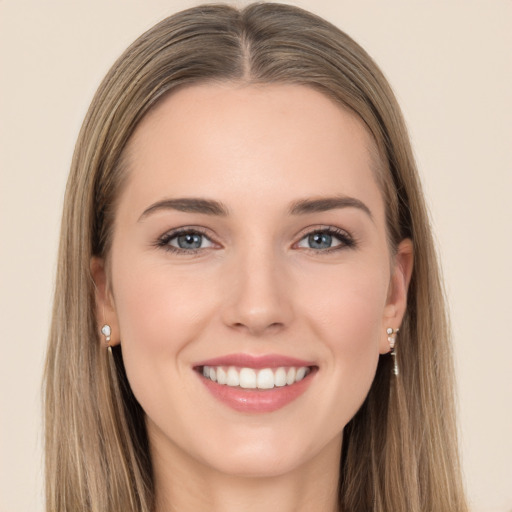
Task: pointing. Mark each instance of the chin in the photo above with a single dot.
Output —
(257, 455)
(260, 465)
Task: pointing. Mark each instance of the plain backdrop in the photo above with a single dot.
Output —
(450, 65)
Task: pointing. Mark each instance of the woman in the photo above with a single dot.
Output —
(248, 311)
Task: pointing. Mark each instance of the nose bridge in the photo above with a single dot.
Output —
(258, 299)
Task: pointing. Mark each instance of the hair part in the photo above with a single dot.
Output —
(400, 450)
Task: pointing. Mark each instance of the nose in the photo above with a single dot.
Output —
(258, 296)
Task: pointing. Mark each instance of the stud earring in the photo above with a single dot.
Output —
(392, 341)
(106, 331)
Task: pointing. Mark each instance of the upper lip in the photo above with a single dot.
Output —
(251, 361)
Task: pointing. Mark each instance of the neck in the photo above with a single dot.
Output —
(183, 484)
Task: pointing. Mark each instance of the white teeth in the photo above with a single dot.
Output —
(249, 378)
(290, 376)
(301, 373)
(222, 377)
(280, 377)
(265, 379)
(233, 377)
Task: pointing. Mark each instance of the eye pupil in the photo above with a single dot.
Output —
(320, 240)
(190, 241)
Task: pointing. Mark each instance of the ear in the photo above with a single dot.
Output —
(105, 308)
(396, 303)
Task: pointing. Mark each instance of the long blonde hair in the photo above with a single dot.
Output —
(400, 450)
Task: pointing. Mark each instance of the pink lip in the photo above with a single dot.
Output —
(257, 400)
(256, 362)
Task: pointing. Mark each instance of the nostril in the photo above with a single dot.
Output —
(258, 328)
(257, 297)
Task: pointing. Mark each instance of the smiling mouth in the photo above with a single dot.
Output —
(255, 379)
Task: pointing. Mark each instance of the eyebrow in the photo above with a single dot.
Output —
(323, 204)
(189, 205)
(216, 208)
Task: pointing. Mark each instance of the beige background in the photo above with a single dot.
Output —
(450, 65)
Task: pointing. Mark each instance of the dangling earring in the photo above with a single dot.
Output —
(392, 340)
(107, 331)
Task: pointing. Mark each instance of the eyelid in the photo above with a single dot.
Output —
(342, 235)
(162, 241)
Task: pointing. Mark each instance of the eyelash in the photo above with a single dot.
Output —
(164, 241)
(345, 239)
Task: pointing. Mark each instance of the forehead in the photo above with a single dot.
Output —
(239, 142)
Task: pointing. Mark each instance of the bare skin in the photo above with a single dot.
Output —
(289, 257)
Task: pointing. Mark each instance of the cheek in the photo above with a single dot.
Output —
(159, 314)
(348, 304)
(347, 315)
(155, 301)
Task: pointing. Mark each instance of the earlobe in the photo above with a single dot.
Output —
(399, 284)
(106, 316)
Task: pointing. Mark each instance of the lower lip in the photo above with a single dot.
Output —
(258, 400)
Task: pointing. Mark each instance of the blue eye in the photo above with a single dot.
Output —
(185, 241)
(326, 239)
(189, 241)
(320, 241)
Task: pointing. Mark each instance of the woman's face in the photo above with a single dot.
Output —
(250, 246)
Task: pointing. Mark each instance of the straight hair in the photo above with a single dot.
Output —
(400, 450)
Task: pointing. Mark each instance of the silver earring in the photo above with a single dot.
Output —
(106, 331)
(392, 341)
